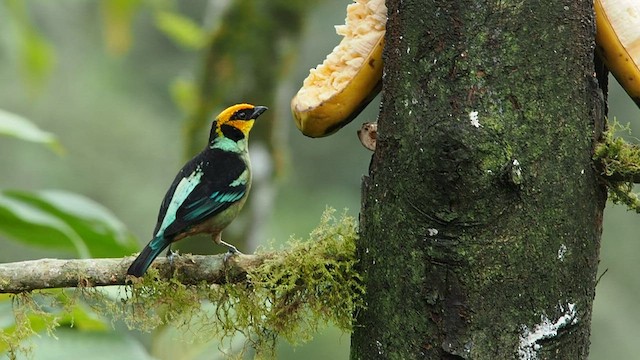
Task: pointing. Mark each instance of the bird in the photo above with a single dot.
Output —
(210, 189)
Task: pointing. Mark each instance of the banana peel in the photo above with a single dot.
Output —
(337, 91)
(618, 41)
(350, 77)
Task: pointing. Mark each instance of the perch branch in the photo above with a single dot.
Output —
(31, 275)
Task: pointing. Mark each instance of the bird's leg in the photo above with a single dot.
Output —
(171, 254)
(232, 249)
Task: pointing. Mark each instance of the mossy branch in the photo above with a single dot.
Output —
(284, 294)
(32, 275)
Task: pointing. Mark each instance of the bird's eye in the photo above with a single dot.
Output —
(242, 114)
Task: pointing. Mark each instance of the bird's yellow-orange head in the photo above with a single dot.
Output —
(236, 121)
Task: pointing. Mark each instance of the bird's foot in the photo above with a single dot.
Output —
(172, 254)
(227, 256)
(232, 251)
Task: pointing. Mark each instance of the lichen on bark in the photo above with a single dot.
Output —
(482, 211)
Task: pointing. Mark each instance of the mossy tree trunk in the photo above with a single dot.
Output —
(481, 216)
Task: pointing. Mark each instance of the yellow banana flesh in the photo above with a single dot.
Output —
(337, 90)
(618, 40)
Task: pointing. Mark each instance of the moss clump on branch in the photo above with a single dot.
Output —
(622, 193)
(620, 166)
(618, 158)
(291, 294)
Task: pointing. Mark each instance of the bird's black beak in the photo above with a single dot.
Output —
(258, 110)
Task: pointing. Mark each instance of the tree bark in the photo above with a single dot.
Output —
(482, 213)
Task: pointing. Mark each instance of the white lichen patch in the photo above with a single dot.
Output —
(517, 169)
(562, 251)
(473, 116)
(546, 329)
(379, 347)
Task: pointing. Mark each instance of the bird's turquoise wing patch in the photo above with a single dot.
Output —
(182, 191)
(207, 206)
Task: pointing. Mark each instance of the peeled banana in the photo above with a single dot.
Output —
(618, 40)
(337, 90)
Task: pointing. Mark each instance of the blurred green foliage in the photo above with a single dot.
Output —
(109, 98)
(182, 30)
(117, 20)
(25, 315)
(36, 54)
(113, 79)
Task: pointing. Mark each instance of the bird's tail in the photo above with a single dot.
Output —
(140, 265)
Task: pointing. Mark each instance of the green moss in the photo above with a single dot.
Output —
(33, 313)
(617, 156)
(292, 294)
(620, 166)
(622, 193)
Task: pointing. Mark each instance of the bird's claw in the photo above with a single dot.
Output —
(171, 254)
(231, 252)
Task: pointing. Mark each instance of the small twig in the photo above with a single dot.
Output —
(31, 275)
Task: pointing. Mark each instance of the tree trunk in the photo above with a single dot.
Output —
(482, 213)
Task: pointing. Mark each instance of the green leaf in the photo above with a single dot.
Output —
(37, 56)
(184, 94)
(117, 18)
(30, 225)
(100, 231)
(21, 128)
(82, 318)
(182, 30)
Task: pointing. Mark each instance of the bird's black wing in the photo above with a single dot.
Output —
(207, 185)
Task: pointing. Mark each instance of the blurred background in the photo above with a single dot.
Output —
(120, 84)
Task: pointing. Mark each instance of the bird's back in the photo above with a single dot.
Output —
(205, 186)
